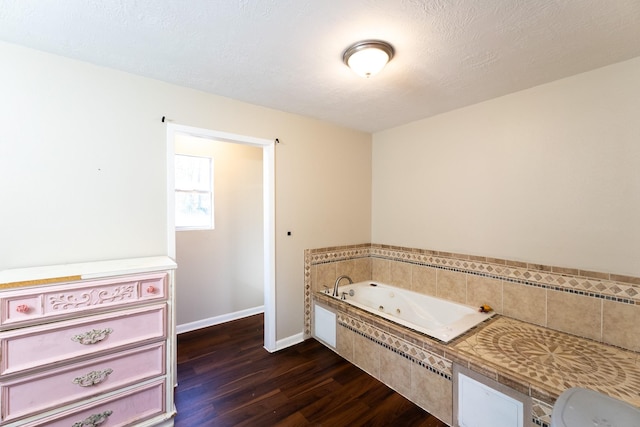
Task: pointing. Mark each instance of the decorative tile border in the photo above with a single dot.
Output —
(431, 361)
(334, 254)
(307, 293)
(593, 286)
(541, 413)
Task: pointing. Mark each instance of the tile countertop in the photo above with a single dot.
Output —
(547, 362)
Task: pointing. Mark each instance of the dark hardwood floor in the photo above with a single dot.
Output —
(227, 378)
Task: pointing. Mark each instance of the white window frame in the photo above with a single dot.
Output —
(210, 192)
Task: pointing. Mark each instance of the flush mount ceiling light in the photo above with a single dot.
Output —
(368, 57)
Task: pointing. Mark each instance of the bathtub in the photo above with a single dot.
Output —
(436, 317)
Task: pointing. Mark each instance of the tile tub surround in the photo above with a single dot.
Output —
(536, 361)
(607, 306)
(516, 290)
(417, 366)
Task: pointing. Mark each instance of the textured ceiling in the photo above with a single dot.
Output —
(286, 54)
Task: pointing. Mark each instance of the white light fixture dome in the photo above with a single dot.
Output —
(367, 58)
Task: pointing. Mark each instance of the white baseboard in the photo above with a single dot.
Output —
(289, 341)
(212, 321)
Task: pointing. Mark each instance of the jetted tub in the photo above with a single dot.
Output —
(436, 317)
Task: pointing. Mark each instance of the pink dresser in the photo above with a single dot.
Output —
(88, 345)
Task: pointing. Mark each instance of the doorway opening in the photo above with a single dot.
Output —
(268, 202)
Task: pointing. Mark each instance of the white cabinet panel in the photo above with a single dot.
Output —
(482, 406)
(325, 325)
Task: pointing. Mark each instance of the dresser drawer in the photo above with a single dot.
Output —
(62, 341)
(82, 380)
(123, 409)
(30, 305)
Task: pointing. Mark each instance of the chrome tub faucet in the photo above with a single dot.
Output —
(335, 286)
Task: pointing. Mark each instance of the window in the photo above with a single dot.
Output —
(194, 192)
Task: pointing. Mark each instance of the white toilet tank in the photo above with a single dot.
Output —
(579, 407)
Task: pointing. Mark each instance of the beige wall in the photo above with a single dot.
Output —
(82, 161)
(549, 175)
(221, 270)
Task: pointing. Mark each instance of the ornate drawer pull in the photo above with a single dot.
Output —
(23, 308)
(151, 290)
(92, 378)
(92, 337)
(93, 420)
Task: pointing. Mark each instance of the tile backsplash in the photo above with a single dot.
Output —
(599, 306)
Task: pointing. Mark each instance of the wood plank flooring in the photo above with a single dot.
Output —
(227, 378)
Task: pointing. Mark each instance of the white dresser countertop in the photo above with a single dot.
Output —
(18, 277)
